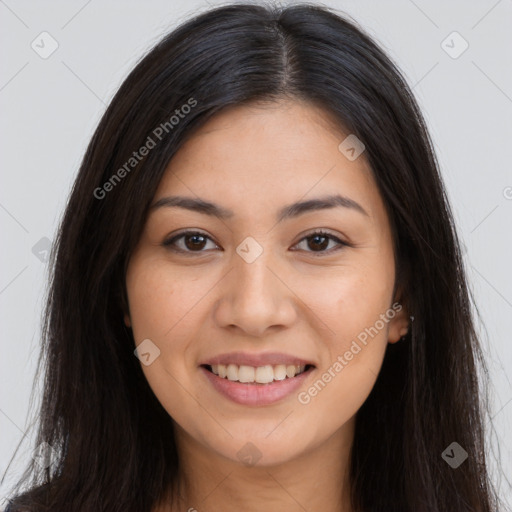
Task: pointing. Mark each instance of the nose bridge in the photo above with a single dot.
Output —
(255, 297)
(254, 284)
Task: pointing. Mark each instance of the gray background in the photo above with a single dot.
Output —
(51, 106)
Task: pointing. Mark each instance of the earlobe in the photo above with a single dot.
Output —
(403, 333)
(127, 321)
(397, 335)
(399, 327)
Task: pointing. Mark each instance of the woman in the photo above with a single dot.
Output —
(258, 299)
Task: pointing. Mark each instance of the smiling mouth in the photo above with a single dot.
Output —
(257, 375)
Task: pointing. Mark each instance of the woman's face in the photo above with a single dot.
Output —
(258, 291)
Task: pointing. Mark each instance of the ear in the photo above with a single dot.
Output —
(399, 325)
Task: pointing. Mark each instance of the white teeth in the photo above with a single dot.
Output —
(245, 373)
(223, 371)
(290, 371)
(232, 373)
(280, 372)
(264, 374)
(261, 374)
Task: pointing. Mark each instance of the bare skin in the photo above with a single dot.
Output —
(295, 298)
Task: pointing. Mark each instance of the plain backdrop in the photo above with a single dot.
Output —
(51, 104)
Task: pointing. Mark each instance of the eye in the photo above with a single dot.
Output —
(194, 241)
(319, 241)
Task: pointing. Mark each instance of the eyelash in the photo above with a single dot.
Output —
(170, 242)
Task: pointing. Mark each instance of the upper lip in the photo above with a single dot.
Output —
(248, 359)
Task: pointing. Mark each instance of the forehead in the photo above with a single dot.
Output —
(258, 156)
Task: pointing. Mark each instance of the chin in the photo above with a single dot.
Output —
(263, 449)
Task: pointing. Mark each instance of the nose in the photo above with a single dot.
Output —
(255, 298)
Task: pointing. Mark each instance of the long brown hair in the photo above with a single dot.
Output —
(112, 439)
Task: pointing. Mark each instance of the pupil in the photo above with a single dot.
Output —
(323, 245)
(194, 245)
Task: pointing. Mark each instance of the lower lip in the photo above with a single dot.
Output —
(256, 394)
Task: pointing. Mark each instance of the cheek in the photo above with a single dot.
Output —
(336, 394)
(356, 341)
(354, 307)
(166, 303)
(163, 298)
(350, 299)
(162, 304)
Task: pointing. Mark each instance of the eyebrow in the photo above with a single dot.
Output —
(287, 212)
